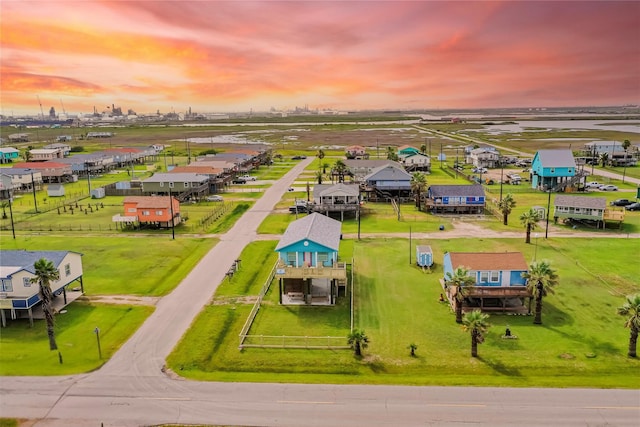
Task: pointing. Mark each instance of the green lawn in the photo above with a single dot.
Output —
(112, 265)
(581, 344)
(25, 350)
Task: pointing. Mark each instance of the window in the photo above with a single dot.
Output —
(323, 257)
(131, 210)
(159, 213)
(26, 282)
(67, 269)
(6, 285)
(489, 276)
(171, 185)
(145, 213)
(186, 185)
(291, 258)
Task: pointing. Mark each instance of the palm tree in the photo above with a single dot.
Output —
(476, 323)
(604, 158)
(506, 205)
(358, 341)
(325, 165)
(4, 204)
(340, 168)
(461, 280)
(319, 177)
(418, 185)
(45, 273)
(320, 156)
(529, 220)
(631, 309)
(423, 148)
(391, 154)
(541, 279)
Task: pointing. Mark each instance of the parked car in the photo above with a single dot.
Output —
(248, 177)
(239, 180)
(214, 198)
(593, 184)
(298, 157)
(633, 207)
(608, 187)
(621, 202)
(480, 170)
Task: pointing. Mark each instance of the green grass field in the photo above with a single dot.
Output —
(581, 344)
(112, 265)
(25, 350)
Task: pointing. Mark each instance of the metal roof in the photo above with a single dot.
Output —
(315, 227)
(580, 202)
(556, 158)
(24, 260)
(473, 190)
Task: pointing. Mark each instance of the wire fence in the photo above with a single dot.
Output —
(292, 341)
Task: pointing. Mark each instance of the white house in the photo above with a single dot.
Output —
(18, 295)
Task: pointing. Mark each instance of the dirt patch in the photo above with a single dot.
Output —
(250, 299)
(121, 299)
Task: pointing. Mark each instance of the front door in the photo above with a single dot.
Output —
(307, 259)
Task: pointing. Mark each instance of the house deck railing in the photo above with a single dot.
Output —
(498, 291)
(338, 271)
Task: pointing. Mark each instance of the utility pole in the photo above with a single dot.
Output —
(33, 186)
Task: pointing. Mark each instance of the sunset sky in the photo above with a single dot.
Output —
(219, 56)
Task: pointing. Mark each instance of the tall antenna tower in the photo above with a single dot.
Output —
(41, 112)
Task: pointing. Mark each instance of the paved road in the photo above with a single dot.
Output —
(132, 389)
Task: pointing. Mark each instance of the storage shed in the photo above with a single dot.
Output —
(55, 190)
(424, 256)
(97, 193)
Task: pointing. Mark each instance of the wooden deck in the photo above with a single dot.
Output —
(339, 271)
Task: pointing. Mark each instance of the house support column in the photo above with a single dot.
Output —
(280, 290)
(307, 291)
(81, 285)
(64, 295)
(30, 316)
(3, 318)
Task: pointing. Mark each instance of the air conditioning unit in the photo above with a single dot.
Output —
(3, 295)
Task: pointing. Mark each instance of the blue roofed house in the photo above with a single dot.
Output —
(499, 285)
(19, 296)
(308, 269)
(555, 170)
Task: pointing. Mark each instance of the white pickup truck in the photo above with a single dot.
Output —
(593, 184)
(248, 178)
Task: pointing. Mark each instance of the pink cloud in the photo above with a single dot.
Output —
(354, 54)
